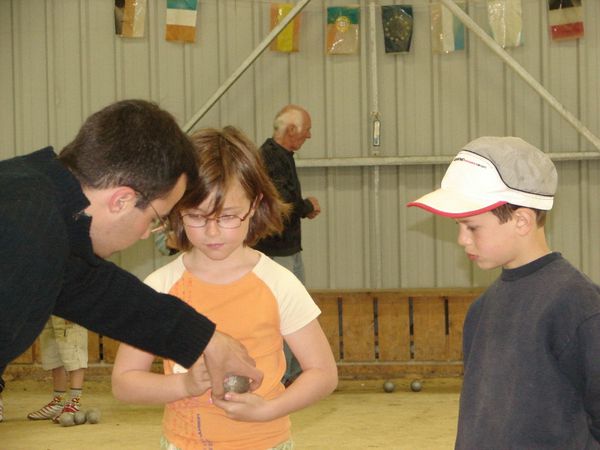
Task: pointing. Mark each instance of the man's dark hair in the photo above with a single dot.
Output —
(131, 143)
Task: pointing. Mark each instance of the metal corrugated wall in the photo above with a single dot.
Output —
(60, 61)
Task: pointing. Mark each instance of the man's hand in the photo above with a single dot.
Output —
(225, 356)
(197, 380)
(316, 207)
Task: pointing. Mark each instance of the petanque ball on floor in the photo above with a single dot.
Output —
(79, 417)
(93, 415)
(416, 386)
(389, 386)
(67, 420)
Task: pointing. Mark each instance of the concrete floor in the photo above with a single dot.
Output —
(359, 415)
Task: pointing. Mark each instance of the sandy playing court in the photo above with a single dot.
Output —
(359, 415)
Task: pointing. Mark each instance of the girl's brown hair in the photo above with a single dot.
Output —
(224, 157)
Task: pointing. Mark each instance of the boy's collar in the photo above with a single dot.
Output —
(529, 268)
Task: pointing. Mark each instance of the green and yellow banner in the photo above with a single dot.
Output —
(342, 30)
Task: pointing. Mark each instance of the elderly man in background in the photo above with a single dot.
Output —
(291, 128)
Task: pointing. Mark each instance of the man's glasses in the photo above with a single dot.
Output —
(228, 221)
(158, 223)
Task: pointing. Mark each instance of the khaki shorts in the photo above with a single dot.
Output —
(64, 343)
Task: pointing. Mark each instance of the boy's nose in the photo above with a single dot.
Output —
(462, 238)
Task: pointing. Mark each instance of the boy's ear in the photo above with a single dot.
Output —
(525, 220)
(121, 197)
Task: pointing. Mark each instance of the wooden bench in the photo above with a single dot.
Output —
(394, 333)
(373, 334)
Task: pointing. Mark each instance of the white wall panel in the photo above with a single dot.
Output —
(416, 231)
(29, 64)
(591, 212)
(315, 233)
(99, 73)
(526, 107)
(566, 232)
(307, 82)
(60, 61)
(8, 133)
(406, 97)
(65, 81)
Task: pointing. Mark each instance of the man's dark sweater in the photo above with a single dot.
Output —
(281, 167)
(48, 267)
(532, 362)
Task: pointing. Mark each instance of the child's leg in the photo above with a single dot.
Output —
(76, 378)
(59, 379)
(73, 349)
(51, 361)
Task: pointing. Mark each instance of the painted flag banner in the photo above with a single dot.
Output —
(566, 19)
(397, 27)
(287, 40)
(505, 18)
(181, 20)
(342, 30)
(130, 17)
(447, 32)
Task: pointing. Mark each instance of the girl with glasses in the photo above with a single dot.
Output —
(248, 295)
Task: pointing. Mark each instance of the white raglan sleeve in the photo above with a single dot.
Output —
(163, 279)
(296, 306)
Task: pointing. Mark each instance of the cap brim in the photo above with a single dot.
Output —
(453, 204)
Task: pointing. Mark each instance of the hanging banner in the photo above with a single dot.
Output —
(505, 19)
(342, 30)
(287, 40)
(397, 23)
(447, 32)
(565, 18)
(130, 17)
(181, 20)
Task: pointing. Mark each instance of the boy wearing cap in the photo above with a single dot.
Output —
(531, 342)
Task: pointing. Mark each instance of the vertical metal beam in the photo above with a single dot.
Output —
(541, 90)
(376, 269)
(245, 64)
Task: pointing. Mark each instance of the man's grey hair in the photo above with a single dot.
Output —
(289, 115)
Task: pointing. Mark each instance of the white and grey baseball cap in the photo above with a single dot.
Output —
(492, 171)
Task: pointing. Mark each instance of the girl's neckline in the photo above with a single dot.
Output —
(228, 281)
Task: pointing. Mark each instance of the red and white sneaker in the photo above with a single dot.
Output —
(48, 411)
(71, 406)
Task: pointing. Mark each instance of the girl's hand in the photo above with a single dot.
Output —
(246, 407)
